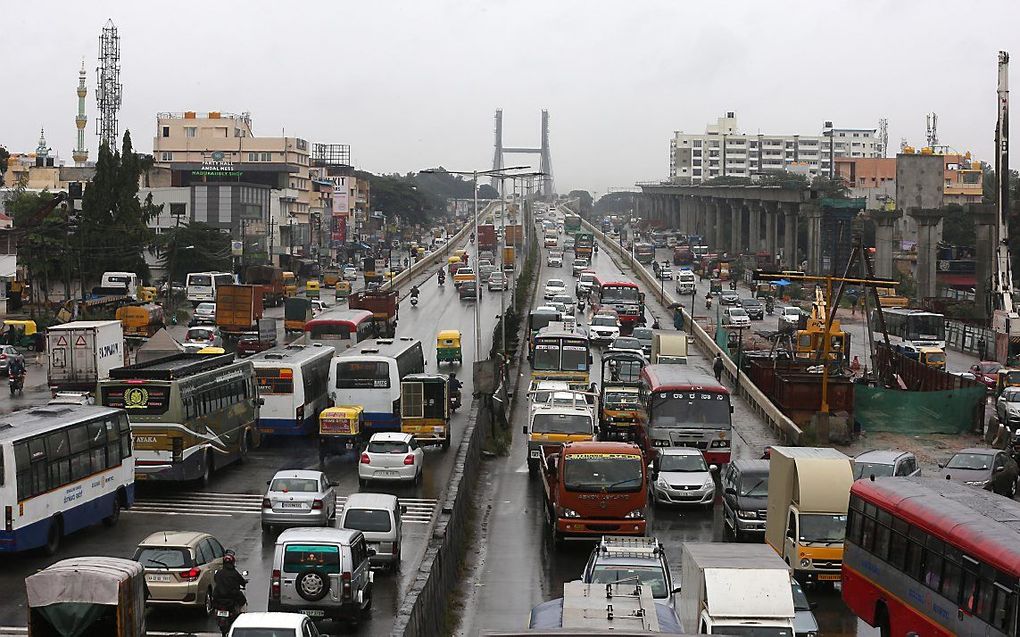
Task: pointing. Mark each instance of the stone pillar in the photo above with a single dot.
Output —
(790, 236)
(753, 226)
(723, 216)
(700, 214)
(712, 221)
(885, 224)
(929, 232)
(737, 233)
(812, 213)
(985, 224)
(770, 242)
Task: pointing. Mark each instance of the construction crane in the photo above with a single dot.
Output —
(1005, 321)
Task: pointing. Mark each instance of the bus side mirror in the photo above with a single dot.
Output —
(525, 428)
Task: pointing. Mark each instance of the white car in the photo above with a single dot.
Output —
(568, 302)
(277, 624)
(585, 282)
(604, 328)
(350, 273)
(736, 316)
(666, 273)
(554, 260)
(680, 475)
(789, 315)
(553, 288)
(579, 266)
(391, 456)
(319, 306)
(205, 314)
(497, 281)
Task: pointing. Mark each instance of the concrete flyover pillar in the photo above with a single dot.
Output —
(769, 210)
(700, 212)
(812, 214)
(929, 233)
(985, 225)
(885, 224)
(753, 226)
(712, 221)
(790, 211)
(737, 234)
(724, 225)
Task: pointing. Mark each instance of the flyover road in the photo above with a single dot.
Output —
(229, 507)
(517, 565)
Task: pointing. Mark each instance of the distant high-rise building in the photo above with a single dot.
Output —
(722, 151)
(81, 154)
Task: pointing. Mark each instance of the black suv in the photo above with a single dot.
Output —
(745, 486)
(754, 308)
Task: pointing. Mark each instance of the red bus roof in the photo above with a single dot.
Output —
(680, 377)
(601, 447)
(347, 317)
(982, 524)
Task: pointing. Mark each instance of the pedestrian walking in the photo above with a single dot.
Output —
(982, 349)
(717, 367)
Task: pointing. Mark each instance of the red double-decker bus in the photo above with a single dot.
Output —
(686, 408)
(622, 296)
(932, 557)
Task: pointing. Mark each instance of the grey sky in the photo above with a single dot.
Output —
(415, 83)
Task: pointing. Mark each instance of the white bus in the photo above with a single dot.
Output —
(62, 468)
(201, 286)
(369, 375)
(293, 383)
(912, 329)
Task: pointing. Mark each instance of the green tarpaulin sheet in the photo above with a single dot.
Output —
(911, 412)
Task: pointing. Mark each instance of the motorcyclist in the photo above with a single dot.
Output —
(733, 284)
(770, 305)
(442, 277)
(455, 387)
(16, 368)
(708, 301)
(227, 584)
(415, 291)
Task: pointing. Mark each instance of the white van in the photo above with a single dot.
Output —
(126, 281)
(377, 515)
(201, 286)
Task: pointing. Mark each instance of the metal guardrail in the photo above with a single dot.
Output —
(968, 338)
(779, 422)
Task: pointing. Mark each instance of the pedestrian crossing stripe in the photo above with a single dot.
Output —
(225, 505)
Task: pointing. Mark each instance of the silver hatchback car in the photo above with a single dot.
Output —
(298, 498)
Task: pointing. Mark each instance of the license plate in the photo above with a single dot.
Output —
(223, 613)
(314, 612)
(535, 453)
(159, 577)
(828, 578)
(386, 473)
(292, 505)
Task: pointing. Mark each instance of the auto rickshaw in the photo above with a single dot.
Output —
(1008, 377)
(453, 264)
(420, 253)
(312, 289)
(19, 333)
(289, 284)
(764, 290)
(341, 429)
(343, 290)
(461, 254)
(147, 294)
(448, 347)
(425, 408)
(715, 286)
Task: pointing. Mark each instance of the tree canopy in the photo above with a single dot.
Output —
(195, 247)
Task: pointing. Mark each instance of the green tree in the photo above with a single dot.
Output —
(41, 230)
(784, 179)
(831, 188)
(195, 247)
(4, 156)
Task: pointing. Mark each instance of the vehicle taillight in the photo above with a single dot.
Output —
(317, 504)
(274, 585)
(409, 459)
(365, 459)
(345, 589)
(3, 357)
(266, 504)
(9, 518)
(300, 414)
(191, 575)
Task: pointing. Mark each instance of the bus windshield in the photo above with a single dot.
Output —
(620, 294)
(690, 409)
(571, 424)
(200, 279)
(929, 327)
(330, 331)
(575, 358)
(603, 472)
(621, 400)
(362, 375)
(827, 528)
(546, 358)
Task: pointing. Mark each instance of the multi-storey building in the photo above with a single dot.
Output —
(722, 151)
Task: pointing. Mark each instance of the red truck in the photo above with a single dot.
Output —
(270, 278)
(238, 308)
(514, 235)
(487, 238)
(384, 306)
(594, 489)
(683, 255)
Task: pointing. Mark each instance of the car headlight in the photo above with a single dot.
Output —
(747, 515)
(662, 482)
(709, 484)
(570, 513)
(805, 562)
(636, 514)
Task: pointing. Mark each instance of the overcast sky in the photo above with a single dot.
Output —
(415, 83)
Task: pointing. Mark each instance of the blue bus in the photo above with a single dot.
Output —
(293, 382)
(369, 375)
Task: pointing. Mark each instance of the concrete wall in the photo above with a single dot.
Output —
(920, 181)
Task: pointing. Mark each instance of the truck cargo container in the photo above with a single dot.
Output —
(82, 353)
(487, 237)
(238, 308)
(270, 279)
(384, 306)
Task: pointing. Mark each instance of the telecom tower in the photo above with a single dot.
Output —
(81, 154)
(108, 89)
(545, 157)
(883, 137)
(931, 133)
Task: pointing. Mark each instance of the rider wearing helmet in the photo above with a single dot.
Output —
(455, 385)
(414, 291)
(227, 583)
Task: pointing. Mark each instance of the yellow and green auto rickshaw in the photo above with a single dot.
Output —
(19, 333)
(312, 289)
(289, 284)
(343, 290)
(330, 276)
(425, 408)
(341, 429)
(448, 347)
(1008, 377)
(715, 286)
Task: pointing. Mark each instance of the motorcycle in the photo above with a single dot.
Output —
(770, 307)
(454, 399)
(226, 611)
(708, 302)
(442, 280)
(17, 382)
(414, 301)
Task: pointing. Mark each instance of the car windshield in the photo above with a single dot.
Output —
(206, 307)
(367, 520)
(738, 311)
(387, 446)
(685, 463)
(649, 576)
(163, 557)
(563, 298)
(626, 342)
(754, 486)
(975, 461)
(750, 302)
(868, 469)
(571, 424)
(1011, 396)
(800, 600)
(822, 527)
(748, 630)
(263, 632)
(199, 335)
(295, 485)
(554, 283)
(621, 400)
(642, 333)
(604, 321)
(603, 473)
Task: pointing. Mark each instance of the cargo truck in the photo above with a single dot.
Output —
(669, 349)
(238, 308)
(384, 306)
(82, 353)
(371, 274)
(270, 279)
(509, 256)
(584, 242)
(626, 608)
(594, 489)
(735, 589)
(487, 237)
(685, 281)
(809, 492)
(513, 235)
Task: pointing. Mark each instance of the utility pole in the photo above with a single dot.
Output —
(1005, 320)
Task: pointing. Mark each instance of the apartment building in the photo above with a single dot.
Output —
(724, 151)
